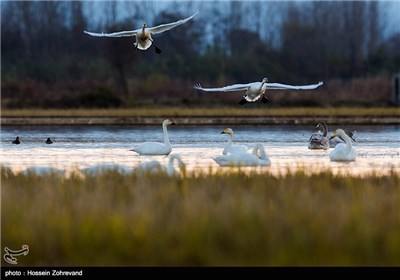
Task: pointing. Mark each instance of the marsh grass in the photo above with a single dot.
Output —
(229, 218)
(202, 112)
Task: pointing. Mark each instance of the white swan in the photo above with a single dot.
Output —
(343, 152)
(256, 158)
(95, 170)
(255, 90)
(232, 148)
(155, 148)
(143, 35)
(319, 140)
(156, 167)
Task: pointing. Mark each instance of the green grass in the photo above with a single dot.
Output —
(230, 218)
(201, 112)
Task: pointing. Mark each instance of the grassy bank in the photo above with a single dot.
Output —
(202, 112)
(220, 219)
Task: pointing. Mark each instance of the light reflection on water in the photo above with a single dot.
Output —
(77, 147)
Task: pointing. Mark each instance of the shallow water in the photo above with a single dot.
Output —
(77, 147)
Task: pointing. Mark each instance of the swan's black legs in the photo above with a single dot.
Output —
(264, 99)
(243, 101)
(158, 50)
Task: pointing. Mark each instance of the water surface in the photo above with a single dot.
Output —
(77, 147)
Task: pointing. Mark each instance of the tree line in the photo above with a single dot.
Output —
(47, 60)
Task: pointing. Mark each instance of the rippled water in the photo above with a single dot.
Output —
(77, 147)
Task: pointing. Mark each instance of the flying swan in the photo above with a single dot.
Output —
(257, 158)
(155, 148)
(232, 148)
(143, 34)
(343, 152)
(255, 90)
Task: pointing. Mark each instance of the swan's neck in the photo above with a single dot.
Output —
(259, 152)
(262, 84)
(171, 163)
(324, 129)
(143, 29)
(166, 138)
(348, 142)
(230, 139)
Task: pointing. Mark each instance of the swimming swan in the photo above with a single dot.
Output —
(317, 140)
(143, 34)
(257, 158)
(255, 90)
(155, 148)
(343, 152)
(155, 166)
(232, 148)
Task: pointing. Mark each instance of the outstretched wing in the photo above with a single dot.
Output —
(168, 26)
(237, 87)
(283, 86)
(115, 34)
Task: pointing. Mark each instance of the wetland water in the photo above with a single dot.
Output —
(77, 147)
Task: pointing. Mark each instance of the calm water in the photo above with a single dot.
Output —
(378, 147)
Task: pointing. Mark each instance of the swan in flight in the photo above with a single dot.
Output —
(155, 166)
(143, 34)
(256, 90)
(155, 148)
(343, 151)
(257, 158)
(232, 148)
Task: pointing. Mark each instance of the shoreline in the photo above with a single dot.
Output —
(206, 120)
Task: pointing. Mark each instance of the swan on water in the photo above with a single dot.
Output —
(343, 151)
(155, 166)
(232, 148)
(257, 158)
(256, 90)
(143, 34)
(319, 140)
(155, 148)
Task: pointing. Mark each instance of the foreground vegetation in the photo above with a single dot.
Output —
(203, 111)
(202, 220)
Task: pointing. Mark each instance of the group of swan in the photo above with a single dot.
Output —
(342, 152)
(143, 34)
(319, 140)
(256, 90)
(152, 167)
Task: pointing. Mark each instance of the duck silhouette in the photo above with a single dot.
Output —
(16, 141)
(48, 141)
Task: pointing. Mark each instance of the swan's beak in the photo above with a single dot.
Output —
(331, 137)
(172, 123)
(223, 132)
